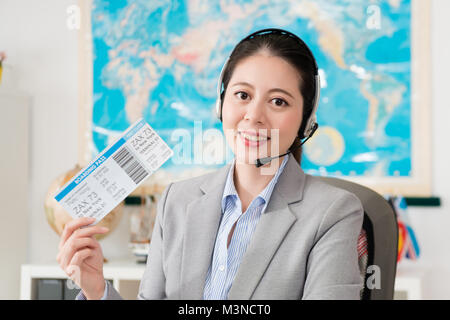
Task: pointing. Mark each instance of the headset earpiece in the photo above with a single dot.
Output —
(220, 92)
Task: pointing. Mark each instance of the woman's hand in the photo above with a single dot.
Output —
(80, 256)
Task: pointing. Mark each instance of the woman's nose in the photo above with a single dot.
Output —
(255, 112)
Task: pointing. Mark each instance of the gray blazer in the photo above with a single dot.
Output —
(304, 246)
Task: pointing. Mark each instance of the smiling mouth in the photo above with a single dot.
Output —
(252, 139)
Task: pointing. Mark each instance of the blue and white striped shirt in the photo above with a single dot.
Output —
(226, 261)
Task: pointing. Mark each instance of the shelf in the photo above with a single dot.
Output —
(409, 280)
(125, 276)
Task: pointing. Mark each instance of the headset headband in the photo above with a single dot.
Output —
(311, 122)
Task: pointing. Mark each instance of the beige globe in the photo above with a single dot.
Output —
(57, 216)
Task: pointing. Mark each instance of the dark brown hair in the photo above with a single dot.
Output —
(291, 50)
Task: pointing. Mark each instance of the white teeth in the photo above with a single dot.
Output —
(253, 138)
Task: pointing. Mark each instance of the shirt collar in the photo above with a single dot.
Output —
(230, 190)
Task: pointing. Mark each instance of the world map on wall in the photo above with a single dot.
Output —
(161, 60)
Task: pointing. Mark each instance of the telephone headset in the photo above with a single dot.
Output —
(311, 123)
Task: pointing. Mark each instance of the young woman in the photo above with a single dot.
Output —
(244, 231)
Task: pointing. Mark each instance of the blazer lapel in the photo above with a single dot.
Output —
(272, 227)
(202, 222)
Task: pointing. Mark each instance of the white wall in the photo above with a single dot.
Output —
(14, 191)
(44, 54)
(432, 225)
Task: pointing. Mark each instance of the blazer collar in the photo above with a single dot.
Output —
(292, 175)
(202, 223)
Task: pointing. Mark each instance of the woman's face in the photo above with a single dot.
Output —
(262, 108)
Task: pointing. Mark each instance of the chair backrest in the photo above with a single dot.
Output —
(381, 229)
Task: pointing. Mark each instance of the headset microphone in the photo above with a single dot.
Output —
(262, 161)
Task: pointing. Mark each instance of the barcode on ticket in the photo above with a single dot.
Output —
(114, 173)
(130, 165)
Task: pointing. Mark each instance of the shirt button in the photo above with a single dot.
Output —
(221, 268)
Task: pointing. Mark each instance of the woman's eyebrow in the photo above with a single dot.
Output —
(242, 83)
(270, 91)
(281, 90)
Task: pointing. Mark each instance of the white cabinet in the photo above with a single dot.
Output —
(409, 283)
(125, 277)
(14, 190)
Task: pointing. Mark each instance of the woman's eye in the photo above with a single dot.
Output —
(242, 95)
(279, 102)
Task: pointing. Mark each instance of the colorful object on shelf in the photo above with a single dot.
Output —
(407, 242)
(2, 57)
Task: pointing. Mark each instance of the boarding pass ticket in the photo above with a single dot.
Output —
(115, 173)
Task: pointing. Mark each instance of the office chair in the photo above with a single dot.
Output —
(378, 240)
